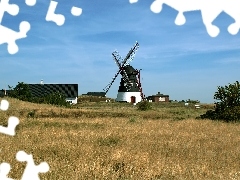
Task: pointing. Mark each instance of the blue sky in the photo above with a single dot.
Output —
(181, 61)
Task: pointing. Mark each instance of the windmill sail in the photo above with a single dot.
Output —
(117, 58)
(106, 89)
(121, 65)
(130, 54)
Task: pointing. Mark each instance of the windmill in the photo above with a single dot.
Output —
(130, 89)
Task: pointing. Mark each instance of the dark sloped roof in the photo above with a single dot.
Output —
(69, 90)
(96, 94)
(160, 95)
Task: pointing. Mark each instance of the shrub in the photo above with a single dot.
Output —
(56, 98)
(227, 107)
(144, 106)
(132, 120)
(21, 91)
(31, 114)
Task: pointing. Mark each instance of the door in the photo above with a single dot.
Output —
(133, 99)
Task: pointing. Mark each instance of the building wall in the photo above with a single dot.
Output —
(72, 100)
(69, 90)
(161, 99)
(158, 98)
(126, 96)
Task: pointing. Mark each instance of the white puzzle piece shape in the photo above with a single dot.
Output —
(210, 10)
(30, 2)
(4, 105)
(31, 171)
(4, 170)
(133, 1)
(8, 35)
(11, 9)
(10, 129)
(76, 11)
(59, 19)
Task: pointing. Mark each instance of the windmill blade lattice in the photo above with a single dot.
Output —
(106, 89)
(131, 54)
(117, 58)
(121, 64)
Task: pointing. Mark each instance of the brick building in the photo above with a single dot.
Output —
(158, 98)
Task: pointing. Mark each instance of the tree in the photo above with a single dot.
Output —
(10, 87)
(228, 96)
(227, 107)
(21, 91)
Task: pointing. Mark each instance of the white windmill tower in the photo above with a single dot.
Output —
(130, 89)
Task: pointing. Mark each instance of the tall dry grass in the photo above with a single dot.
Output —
(116, 141)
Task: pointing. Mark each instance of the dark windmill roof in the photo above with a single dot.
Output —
(69, 90)
(129, 70)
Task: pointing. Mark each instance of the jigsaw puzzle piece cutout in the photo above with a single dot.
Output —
(180, 6)
(31, 171)
(233, 28)
(156, 6)
(208, 16)
(133, 1)
(232, 9)
(4, 170)
(180, 19)
(10, 129)
(30, 2)
(59, 19)
(76, 11)
(12, 9)
(209, 10)
(9, 36)
(4, 105)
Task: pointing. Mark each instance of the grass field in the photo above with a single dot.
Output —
(116, 141)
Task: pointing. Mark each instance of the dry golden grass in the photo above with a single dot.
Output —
(119, 142)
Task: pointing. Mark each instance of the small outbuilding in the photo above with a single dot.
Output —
(158, 98)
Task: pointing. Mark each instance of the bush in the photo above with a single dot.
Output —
(144, 106)
(227, 107)
(56, 98)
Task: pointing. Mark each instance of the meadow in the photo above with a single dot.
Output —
(99, 140)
